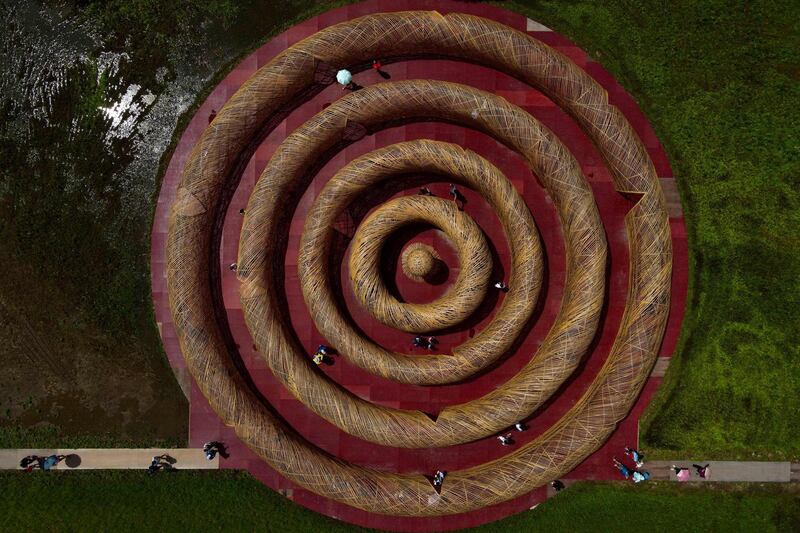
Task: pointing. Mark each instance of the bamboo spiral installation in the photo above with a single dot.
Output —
(304, 69)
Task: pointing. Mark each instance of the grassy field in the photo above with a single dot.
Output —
(719, 82)
(217, 501)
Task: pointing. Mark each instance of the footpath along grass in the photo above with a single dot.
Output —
(719, 81)
(216, 501)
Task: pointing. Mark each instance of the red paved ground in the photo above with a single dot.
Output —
(204, 424)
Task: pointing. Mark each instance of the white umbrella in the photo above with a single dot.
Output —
(344, 77)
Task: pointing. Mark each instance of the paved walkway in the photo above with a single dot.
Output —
(113, 458)
(720, 472)
(194, 459)
(729, 471)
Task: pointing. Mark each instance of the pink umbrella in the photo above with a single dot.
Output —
(683, 475)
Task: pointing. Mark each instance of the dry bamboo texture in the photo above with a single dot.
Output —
(260, 268)
(392, 163)
(211, 170)
(460, 301)
(420, 261)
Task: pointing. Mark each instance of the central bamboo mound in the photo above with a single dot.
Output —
(419, 261)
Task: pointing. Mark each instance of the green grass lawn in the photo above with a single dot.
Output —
(719, 81)
(665, 506)
(217, 501)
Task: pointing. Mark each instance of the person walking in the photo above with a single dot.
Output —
(159, 462)
(637, 457)
(702, 471)
(345, 79)
(454, 192)
(432, 342)
(377, 67)
(681, 473)
(506, 440)
(29, 462)
(624, 470)
(324, 350)
(50, 461)
(211, 449)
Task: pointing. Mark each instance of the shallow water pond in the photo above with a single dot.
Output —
(91, 96)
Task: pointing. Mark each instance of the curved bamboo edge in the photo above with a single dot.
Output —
(260, 267)
(390, 164)
(460, 300)
(419, 261)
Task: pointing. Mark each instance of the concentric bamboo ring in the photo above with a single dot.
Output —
(461, 299)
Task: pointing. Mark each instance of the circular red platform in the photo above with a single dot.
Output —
(204, 424)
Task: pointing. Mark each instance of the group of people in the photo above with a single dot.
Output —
(455, 194)
(507, 439)
(429, 342)
(31, 462)
(636, 474)
(322, 355)
(159, 462)
(165, 462)
(345, 78)
(683, 474)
